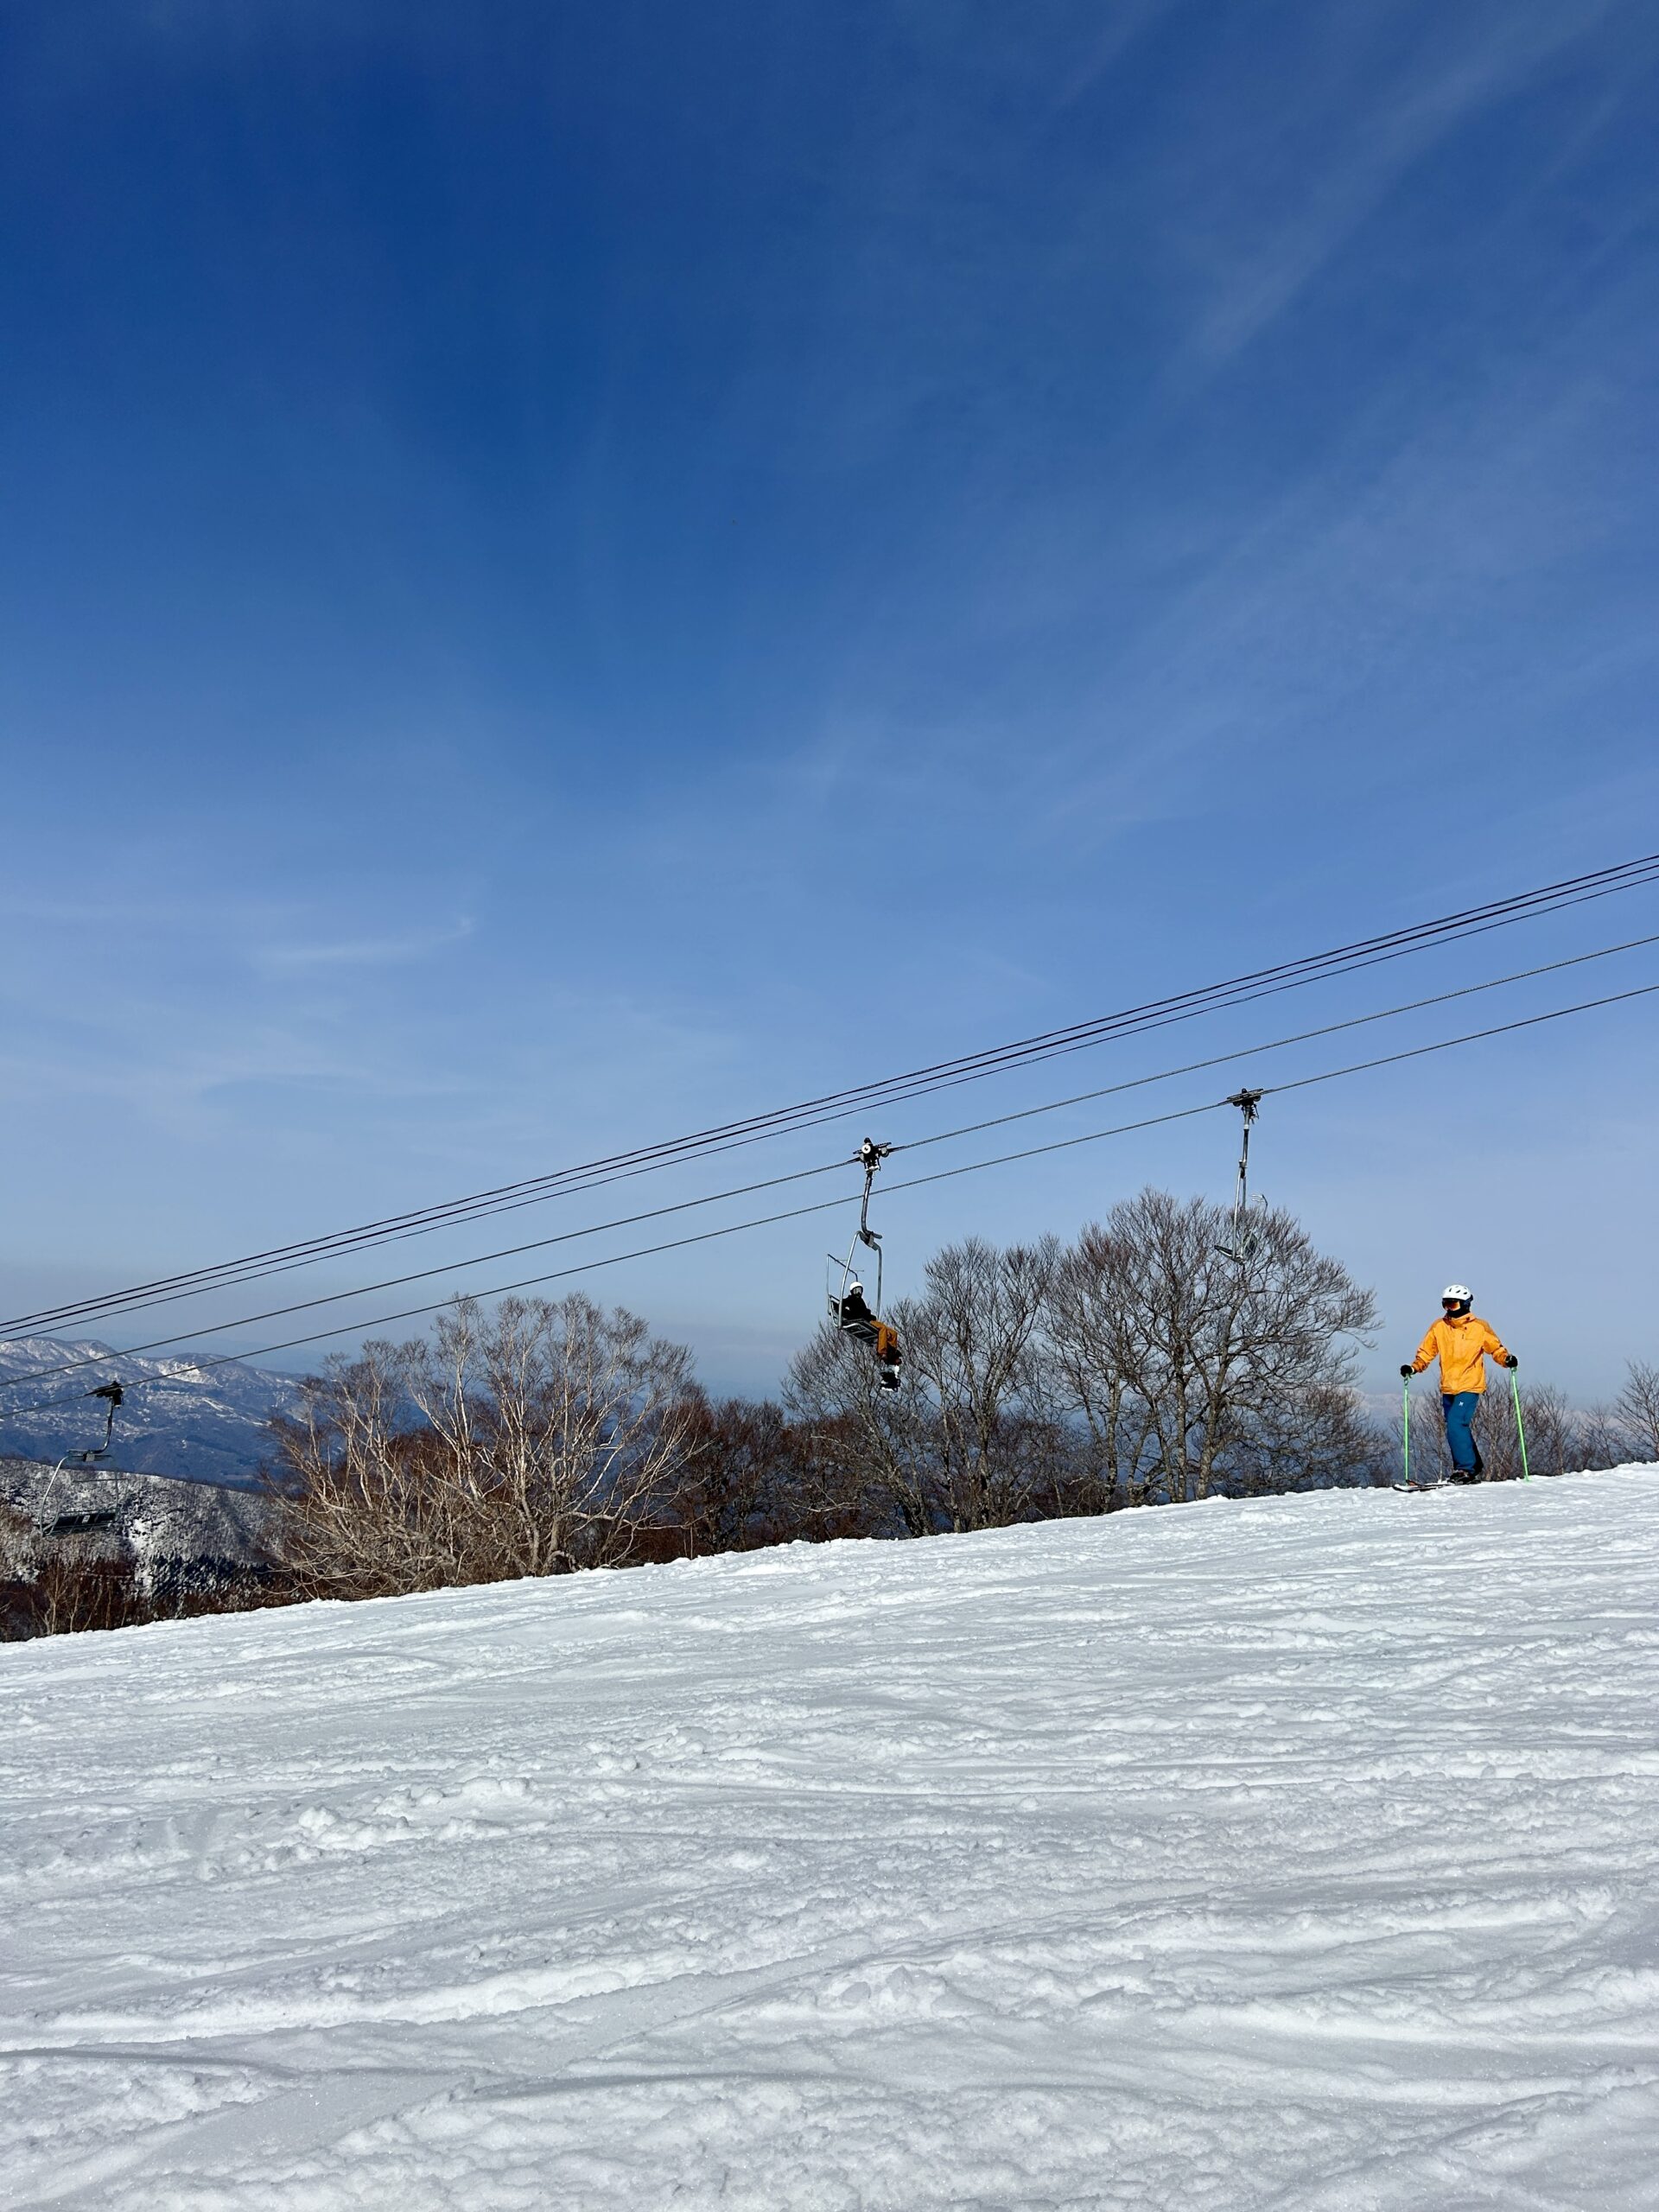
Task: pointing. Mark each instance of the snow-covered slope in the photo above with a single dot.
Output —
(205, 1427)
(1301, 1853)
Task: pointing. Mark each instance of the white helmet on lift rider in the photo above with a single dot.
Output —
(1457, 1294)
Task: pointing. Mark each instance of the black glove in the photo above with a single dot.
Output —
(1408, 1372)
(1511, 1361)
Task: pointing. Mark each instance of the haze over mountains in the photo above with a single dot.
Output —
(206, 1427)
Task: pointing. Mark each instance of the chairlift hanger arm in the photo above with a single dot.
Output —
(1249, 1104)
(869, 1157)
(113, 1394)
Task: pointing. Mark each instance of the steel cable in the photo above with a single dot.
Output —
(797, 1213)
(1184, 1006)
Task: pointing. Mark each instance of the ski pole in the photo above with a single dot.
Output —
(1405, 1431)
(1520, 1427)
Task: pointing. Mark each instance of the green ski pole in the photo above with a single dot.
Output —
(1405, 1403)
(1520, 1426)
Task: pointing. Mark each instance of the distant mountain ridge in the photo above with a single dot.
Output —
(204, 1427)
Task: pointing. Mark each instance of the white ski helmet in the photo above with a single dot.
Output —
(1460, 1291)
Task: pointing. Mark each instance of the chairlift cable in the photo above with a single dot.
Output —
(869, 1156)
(916, 1182)
(1277, 1043)
(942, 1075)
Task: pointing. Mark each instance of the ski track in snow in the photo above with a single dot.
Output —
(1297, 1854)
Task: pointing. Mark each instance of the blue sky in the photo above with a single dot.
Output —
(572, 573)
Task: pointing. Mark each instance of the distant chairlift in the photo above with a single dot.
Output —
(851, 1307)
(89, 1522)
(83, 1524)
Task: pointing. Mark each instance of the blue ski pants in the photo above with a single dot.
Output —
(1459, 1413)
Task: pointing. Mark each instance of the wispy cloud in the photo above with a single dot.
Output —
(363, 951)
(1270, 236)
(1130, 20)
(1405, 538)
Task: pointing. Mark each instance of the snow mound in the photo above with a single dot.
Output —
(1300, 1853)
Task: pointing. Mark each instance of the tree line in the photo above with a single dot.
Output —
(1153, 1361)
(1156, 1360)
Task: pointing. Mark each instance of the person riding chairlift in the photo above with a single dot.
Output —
(853, 1313)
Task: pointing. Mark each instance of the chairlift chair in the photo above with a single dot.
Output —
(851, 1306)
(79, 1524)
(83, 1524)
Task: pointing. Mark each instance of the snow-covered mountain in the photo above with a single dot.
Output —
(154, 1523)
(206, 1428)
(1276, 1857)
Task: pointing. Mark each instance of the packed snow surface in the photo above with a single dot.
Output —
(1301, 1853)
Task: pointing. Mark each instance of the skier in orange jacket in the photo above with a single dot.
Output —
(1460, 1340)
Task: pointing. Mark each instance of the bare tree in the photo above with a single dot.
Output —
(1609, 1436)
(1636, 1410)
(865, 1447)
(1556, 1439)
(528, 1441)
(1094, 1346)
(1306, 1439)
(751, 1477)
(1181, 1359)
(969, 1442)
(972, 1352)
(1599, 1440)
